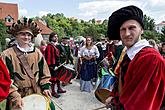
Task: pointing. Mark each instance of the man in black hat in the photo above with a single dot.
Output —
(141, 84)
(65, 56)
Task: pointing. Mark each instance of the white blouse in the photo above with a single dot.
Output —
(89, 52)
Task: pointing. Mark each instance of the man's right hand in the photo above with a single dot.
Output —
(108, 102)
(18, 103)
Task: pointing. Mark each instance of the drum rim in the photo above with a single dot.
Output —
(99, 96)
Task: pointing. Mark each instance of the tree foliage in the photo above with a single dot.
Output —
(74, 27)
(163, 34)
(149, 23)
(152, 35)
(3, 33)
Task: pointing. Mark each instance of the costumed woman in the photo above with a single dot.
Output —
(88, 54)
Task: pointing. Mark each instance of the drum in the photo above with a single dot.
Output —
(66, 73)
(105, 87)
(35, 102)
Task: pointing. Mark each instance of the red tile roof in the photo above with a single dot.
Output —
(44, 28)
(162, 23)
(8, 9)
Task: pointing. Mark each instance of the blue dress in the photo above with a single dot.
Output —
(88, 68)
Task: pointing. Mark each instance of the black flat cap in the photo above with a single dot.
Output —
(118, 17)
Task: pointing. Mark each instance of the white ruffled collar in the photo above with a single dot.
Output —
(29, 49)
(131, 52)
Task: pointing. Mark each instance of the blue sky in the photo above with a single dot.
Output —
(87, 9)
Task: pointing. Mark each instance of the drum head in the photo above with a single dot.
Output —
(35, 102)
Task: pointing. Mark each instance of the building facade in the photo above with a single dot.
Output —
(158, 27)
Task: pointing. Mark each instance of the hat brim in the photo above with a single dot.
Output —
(28, 31)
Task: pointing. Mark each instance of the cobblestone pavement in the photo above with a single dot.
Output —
(74, 99)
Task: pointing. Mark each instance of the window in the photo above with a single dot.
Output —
(9, 19)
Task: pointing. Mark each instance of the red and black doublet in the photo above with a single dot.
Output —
(52, 58)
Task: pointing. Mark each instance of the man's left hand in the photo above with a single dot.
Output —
(47, 93)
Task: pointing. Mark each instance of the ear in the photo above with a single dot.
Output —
(142, 31)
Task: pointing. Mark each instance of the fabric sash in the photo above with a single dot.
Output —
(26, 66)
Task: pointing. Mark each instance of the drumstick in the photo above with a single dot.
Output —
(55, 103)
(59, 66)
(100, 108)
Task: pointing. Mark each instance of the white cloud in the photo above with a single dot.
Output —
(98, 8)
(13, 1)
(41, 13)
(23, 12)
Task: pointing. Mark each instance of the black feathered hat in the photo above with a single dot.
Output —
(120, 16)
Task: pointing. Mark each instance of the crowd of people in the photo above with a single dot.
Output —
(138, 64)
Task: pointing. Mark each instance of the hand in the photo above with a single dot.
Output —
(108, 102)
(94, 57)
(90, 57)
(47, 93)
(18, 103)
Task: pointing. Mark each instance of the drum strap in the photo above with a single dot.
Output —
(23, 60)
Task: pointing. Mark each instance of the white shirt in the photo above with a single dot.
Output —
(89, 52)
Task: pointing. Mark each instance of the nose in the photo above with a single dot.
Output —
(26, 36)
(127, 32)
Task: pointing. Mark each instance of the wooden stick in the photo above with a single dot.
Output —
(59, 66)
(55, 103)
(100, 108)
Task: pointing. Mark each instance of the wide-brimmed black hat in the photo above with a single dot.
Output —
(118, 17)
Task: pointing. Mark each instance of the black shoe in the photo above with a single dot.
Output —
(61, 91)
(64, 84)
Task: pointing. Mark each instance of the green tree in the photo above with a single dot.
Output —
(71, 26)
(162, 38)
(163, 30)
(151, 35)
(149, 23)
(3, 34)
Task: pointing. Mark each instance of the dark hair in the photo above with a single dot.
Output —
(51, 36)
(91, 40)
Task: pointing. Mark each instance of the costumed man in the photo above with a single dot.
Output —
(65, 54)
(104, 47)
(28, 69)
(142, 75)
(114, 50)
(52, 55)
(4, 83)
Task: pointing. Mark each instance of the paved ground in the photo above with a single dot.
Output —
(76, 100)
